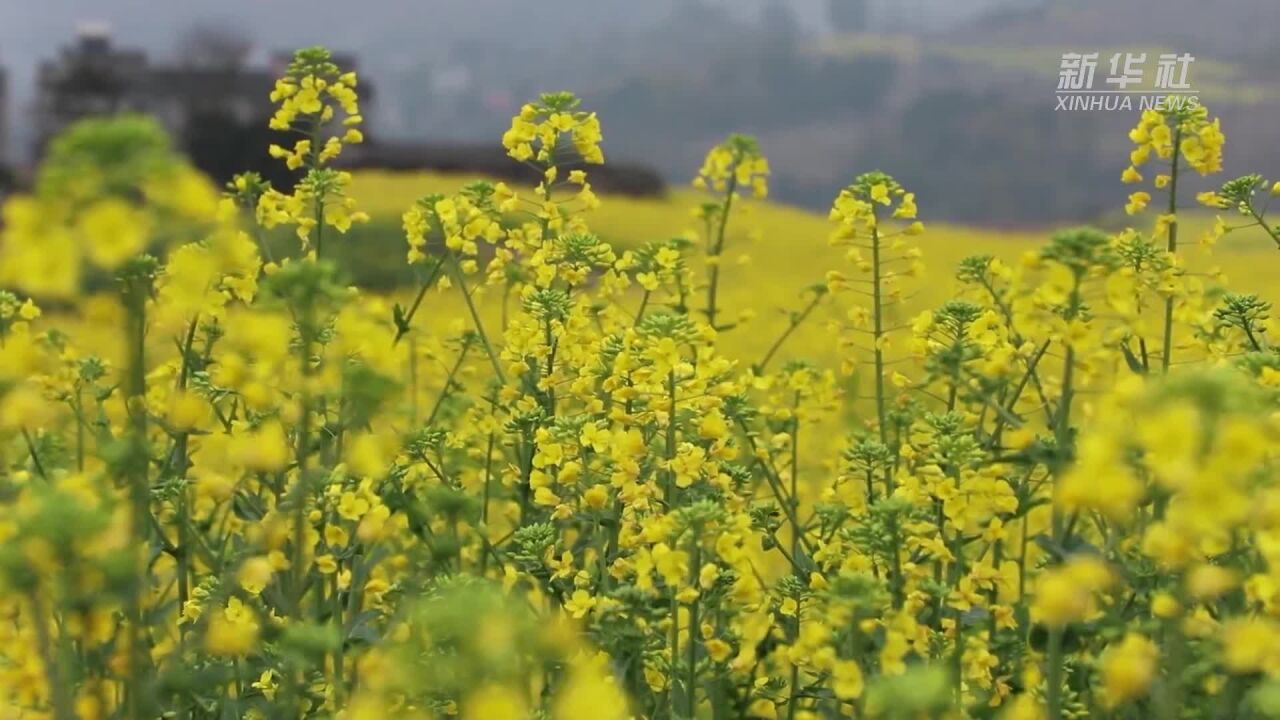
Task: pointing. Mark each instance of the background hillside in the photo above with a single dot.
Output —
(913, 86)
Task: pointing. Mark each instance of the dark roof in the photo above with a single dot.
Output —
(197, 83)
(490, 160)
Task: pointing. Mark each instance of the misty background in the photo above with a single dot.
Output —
(954, 97)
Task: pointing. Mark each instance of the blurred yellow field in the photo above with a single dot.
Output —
(327, 452)
(775, 252)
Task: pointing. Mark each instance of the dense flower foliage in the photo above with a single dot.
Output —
(264, 493)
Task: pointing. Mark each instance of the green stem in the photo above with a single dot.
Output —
(302, 452)
(35, 456)
(339, 650)
(1175, 661)
(878, 332)
(80, 422)
(413, 380)
(668, 490)
(877, 299)
(675, 652)
(313, 159)
(475, 318)
(795, 322)
(181, 451)
(427, 284)
(448, 382)
(779, 492)
(691, 685)
(319, 226)
(59, 693)
(797, 531)
(484, 504)
(1270, 231)
(716, 249)
(794, 690)
(1173, 249)
(644, 303)
(1062, 423)
(135, 298)
(668, 496)
(1004, 417)
(1053, 674)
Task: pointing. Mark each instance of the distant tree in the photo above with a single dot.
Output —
(848, 15)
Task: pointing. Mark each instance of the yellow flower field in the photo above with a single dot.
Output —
(781, 250)
(700, 457)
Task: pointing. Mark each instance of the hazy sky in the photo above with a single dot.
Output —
(405, 46)
(384, 33)
(392, 35)
(32, 29)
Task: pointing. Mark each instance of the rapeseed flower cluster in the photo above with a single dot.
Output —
(266, 494)
(313, 95)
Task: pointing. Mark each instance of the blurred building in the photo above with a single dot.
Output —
(93, 76)
(214, 104)
(7, 176)
(4, 117)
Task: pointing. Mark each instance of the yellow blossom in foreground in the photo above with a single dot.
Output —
(1067, 593)
(1128, 669)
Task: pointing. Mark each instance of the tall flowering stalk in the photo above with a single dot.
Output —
(864, 213)
(733, 167)
(313, 95)
(1180, 137)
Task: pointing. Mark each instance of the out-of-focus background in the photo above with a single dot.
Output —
(955, 97)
